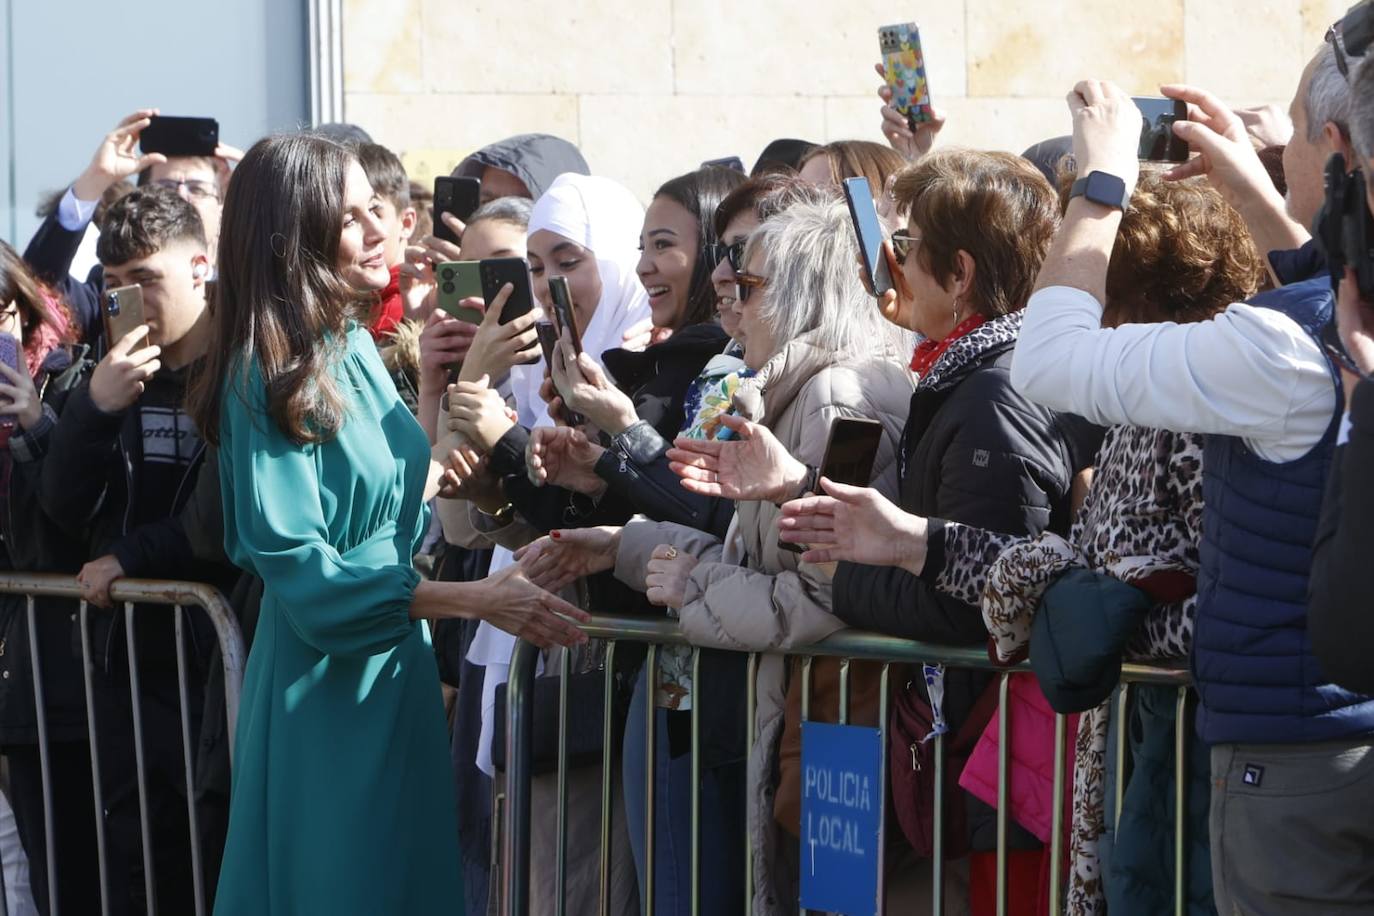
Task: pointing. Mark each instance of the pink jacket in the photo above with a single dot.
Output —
(1030, 779)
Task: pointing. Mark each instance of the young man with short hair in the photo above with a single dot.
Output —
(122, 465)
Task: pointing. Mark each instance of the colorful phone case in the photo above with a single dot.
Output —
(905, 67)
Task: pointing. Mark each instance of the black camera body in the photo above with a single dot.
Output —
(1345, 229)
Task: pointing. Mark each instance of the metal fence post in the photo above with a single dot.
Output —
(519, 775)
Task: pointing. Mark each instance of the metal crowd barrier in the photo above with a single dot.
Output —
(177, 595)
(847, 645)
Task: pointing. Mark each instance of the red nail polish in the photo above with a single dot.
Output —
(555, 535)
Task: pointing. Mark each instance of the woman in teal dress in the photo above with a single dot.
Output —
(342, 797)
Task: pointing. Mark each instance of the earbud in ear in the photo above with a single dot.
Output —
(200, 271)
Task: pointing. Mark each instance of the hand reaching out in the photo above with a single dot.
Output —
(755, 466)
(857, 524)
(568, 554)
(563, 457)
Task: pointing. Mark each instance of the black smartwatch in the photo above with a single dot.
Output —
(1102, 188)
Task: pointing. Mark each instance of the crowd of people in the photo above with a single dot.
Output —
(1121, 412)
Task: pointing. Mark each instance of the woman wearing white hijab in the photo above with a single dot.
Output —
(586, 229)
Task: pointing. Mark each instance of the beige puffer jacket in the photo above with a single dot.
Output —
(774, 601)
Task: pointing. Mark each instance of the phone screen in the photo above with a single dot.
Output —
(459, 280)
(563, 310)
(870, 232)
(1157, 140)
(10, 356)
(459, 196)
(180, 136)
(851, 451)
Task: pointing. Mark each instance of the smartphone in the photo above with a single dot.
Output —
(122, 310)
(496, 273)
(180, 136)
(548, 339)
(12, 357)
(459, 280)
(1157, 140)
(459, 196)
(564, 320)
(849, 455)
(728, 162)
(870, 232)
(904, 68)
(563, 315)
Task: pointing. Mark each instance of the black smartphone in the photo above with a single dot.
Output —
(1157, 140)
(548, 339)
(459, 196)
(869, 229)
(563, 315)
(728, 162)
(849, 455)
(496, 273)
(180, 136)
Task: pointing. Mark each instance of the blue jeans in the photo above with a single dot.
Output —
(722, 821)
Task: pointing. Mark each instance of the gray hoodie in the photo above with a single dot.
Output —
(536, 159)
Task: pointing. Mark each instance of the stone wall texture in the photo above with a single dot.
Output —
(650, 88)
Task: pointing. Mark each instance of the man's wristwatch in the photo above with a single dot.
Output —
(1102, 188)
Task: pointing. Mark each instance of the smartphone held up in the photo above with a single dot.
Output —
(904, 68)
(11, 355)
(458, 196)
(1158, 143)
(869, 229)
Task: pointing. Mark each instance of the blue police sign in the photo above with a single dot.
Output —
(841, 818)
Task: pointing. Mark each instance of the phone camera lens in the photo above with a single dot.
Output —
(446, 273)
(448, 288)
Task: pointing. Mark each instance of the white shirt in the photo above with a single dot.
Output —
(74, 214)
(1248, 372)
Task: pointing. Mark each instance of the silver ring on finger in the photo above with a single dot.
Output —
(671, 554)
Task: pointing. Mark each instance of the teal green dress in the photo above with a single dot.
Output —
(343, 796)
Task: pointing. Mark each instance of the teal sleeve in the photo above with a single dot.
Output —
(274, 525)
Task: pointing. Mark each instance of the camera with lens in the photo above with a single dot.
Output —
(1345, 228)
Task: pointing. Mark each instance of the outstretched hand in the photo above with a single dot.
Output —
(756, 466)
(857, 524)
(515, 604)
(565, 555)
(563, 457)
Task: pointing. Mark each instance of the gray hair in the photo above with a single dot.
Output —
(811, 260)
(1362, 111)
(514, 210)
(1328, 95)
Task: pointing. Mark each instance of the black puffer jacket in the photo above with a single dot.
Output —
(973, 451)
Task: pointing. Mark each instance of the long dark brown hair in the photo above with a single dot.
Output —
(281, 303)
(700, 193)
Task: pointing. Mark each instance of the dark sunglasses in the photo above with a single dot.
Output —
(745, 284)
(1333, 38)
(902, 245)
(719, 251)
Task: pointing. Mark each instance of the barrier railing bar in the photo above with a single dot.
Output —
(608, 713)
(751, 699)
(844, 692)
(650, 762)
(183, 694)
(696, 784)
(884, 736)
(140, 764)
(519, 745)
(88, 672)
(1180, 799)
(1057, 817)
(1119, 790)
(561, 862)
(44, 759)
(1003, 795)
(937, 837)
(157, 591)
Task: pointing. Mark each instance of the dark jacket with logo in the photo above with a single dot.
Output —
(92, 483)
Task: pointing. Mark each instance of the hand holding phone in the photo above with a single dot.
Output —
(458, 281)
(119, 378)
(12, 358)
(850, 453)
(121, 311)
(904, 69)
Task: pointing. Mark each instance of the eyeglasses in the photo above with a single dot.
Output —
(9, 317)
(902, 245)
(720, 251)
(194, 188)
(746, 283)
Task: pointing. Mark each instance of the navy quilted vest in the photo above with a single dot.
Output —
(1252, 657)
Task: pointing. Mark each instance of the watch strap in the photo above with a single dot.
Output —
(1080, 189)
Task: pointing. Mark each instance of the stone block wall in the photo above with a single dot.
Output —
(650, 88)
